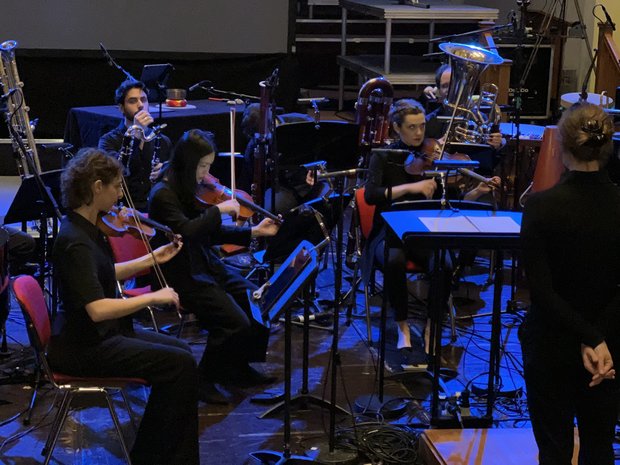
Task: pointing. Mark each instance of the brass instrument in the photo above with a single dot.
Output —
(18, 122)
(468, 123)
(373, 105)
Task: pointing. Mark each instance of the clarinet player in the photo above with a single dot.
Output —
(146, 157)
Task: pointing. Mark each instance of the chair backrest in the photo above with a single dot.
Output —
(28, 293)
(366, 212)
(549, 166)
(127, 247)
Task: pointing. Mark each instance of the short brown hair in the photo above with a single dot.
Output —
(586, 132)
(404, 107)
(88, 166)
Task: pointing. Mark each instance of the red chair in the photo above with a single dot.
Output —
(125, 248)
(30, 297)
(366, 214)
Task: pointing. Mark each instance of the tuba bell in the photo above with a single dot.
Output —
(469, 123)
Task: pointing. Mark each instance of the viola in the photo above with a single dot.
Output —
(211, 192)
(121, 220)
(429, 151)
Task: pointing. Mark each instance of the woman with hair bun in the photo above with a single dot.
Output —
(571, 337)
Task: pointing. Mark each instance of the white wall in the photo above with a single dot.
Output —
(212, 26)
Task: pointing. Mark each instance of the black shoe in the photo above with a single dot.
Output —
(209, 394)
(246, 376)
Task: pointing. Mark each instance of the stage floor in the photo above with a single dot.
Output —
(229, 433)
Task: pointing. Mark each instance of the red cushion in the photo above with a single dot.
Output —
(62, 378)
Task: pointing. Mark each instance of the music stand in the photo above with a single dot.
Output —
(155, 78)
(311, 221)
(29, 204)
(336, 142)
(267, 304)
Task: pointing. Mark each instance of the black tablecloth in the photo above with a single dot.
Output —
(85, 125)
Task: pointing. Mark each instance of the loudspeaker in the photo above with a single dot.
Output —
(51, 157)
(536, 91)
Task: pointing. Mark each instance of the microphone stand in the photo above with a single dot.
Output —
(113, 64)
(583, 95)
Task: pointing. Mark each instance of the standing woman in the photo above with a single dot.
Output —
(96, 336)
(570, 337)
(214, 293)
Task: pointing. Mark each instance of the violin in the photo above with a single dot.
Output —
(430, 150)
(211, 192)
(121, 220)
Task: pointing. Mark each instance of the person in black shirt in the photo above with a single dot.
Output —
(94, 335)
(389, 181)
(145, 163)
(207, 288)
(570, 338)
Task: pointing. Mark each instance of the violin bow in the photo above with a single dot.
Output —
(161, 279)
(233, 112)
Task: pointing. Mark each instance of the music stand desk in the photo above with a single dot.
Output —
(493, 230)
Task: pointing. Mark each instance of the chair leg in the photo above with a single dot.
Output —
(117, 424)
(367, 307)
(33, 397)
(129, 410)
(59, 422)
(153, 320)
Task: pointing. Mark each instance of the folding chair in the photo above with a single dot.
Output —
(30, 297)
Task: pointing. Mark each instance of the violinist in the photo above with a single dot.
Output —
(389, 180)
(214, 293)
(145, 161)
(93, 334)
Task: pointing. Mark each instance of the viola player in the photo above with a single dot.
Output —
(388, 181)
(94, 336)
(214, 293)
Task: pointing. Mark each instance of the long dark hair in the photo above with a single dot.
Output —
(191, 147)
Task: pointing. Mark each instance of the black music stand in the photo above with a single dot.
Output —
(267, 304)
(155, 78)
(29, 204)
(336, 142)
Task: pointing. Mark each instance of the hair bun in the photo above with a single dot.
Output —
(594, 130)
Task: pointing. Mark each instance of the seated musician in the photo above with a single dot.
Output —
(389, 180)
(206, 287)
(436, 127)
(96, 337)
(295, 185)
(146, 159)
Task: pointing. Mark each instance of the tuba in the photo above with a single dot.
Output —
(470, 124)
(373, 105)
(20, 128)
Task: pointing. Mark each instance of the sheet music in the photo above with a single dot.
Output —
(455, 224)
(494, 224)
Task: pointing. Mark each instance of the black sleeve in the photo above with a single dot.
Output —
(165, 149)
(79, 271)
(110, 143)
(552, 307)
(375, 190)
(206, 228)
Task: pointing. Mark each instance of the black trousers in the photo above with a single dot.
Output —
(557, 394)
(168, 432)
(223, 309)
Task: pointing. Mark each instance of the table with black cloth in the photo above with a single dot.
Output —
(85, 125)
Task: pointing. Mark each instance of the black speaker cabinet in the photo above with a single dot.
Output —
(536, 91)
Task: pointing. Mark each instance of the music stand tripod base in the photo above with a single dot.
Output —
(321, 454)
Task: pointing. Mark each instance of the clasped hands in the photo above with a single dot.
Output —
(598, 362)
